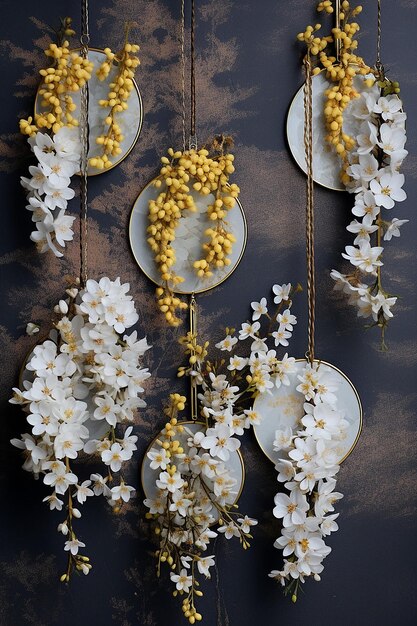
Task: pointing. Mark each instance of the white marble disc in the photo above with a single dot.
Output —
(326, 163)
(234, 465)
(188, 243)
(284, 407)
(96, 428)
(130, 121)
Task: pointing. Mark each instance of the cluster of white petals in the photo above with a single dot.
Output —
(196, 483)
(49, 189)
(377, 183)
(308, 469)
(78, 386)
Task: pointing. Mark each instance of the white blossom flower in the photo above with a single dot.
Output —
(83, 491)
(170, 482)
(259, 308)
(246, 523)
(73, 546)
(292, 509)
(287, 320)
(249, 330)
(122, 492)
(219, 442)
(282, 293)
(115, 457)
(204, 564)
(393, 229)
(182, 581)
(387, 106)
(365, 257)
(388, 189)
(229, 530)
(227, 343)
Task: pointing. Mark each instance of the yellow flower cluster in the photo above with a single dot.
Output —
(341, 69)
(196, 351)
(183, 172)
(68, 73)
(119, 91)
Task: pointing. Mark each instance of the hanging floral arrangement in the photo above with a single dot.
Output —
(80, 386)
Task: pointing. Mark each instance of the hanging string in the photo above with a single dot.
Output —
(308, 146)
(193, 385)
(378, 64)
(193, 135)
(182, 40)
(84, 134)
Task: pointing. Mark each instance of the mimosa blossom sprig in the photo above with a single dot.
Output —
(206, 171)
(83, 381)
(54, 139)
(375, 180)
(308, 470)
(194, 486)
(117, 100)
(341, 65)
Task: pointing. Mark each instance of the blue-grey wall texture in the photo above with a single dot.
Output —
(248, 68)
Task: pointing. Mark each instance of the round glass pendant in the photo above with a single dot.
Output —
(189, 238)
(96, 428)
(327, 164)
(234, 466)
(130, 121)
(283, 407)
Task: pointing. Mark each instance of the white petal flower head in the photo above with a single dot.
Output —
(227, 343)
(183, 582)
(365, 257)
(388, 190)
(292, 509)
(246, 523)
(249, 330)
(170, 482)
(388, 106)
(115, 456)
(204, 564)
(229, 530)
(84, 491)
(287, 320)
(282, 293)
(393, 229)
(159, 458)
(122, 492)
(219, 442)
(283, 439)
(259, 308)
(66, 143)
(73, 546)
(392, 139)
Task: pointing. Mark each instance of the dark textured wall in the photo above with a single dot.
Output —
(248, 70)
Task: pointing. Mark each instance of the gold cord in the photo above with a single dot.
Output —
(182, 41)
(308, 146)
(193, 385)
(84, 137)
(378, 64)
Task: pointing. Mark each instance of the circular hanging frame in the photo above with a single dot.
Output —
(191, 233)
(130, 121)
(237, 467)
(327, 164)
(284, 407)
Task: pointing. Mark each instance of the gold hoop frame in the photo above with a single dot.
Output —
(188, 423)
(356, 395)
(145, 244)
(140, 124)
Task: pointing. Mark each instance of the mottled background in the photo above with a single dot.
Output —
(248, 69)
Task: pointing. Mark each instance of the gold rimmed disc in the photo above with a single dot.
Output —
(327, 164)
(283, 407)
(234, 465)
(130, 121)
(188, 242)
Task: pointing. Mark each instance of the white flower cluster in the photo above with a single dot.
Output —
(49, 187)
(308, 472)
(191, 498)
(377, 184)
(78, 386)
